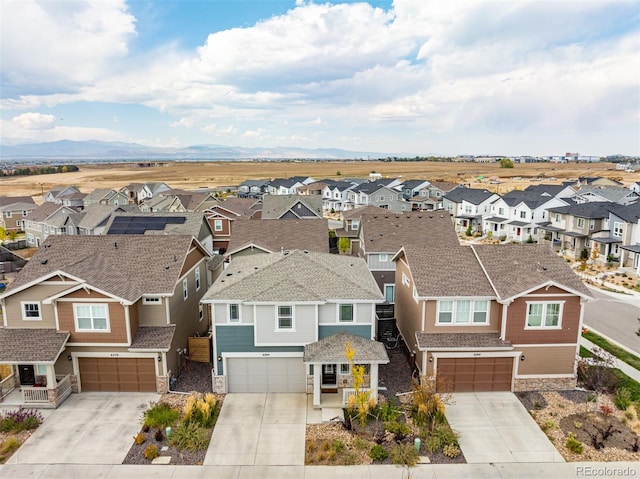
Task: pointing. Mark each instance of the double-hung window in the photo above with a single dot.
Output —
(345, 313)
(217, 225)
(31, 311)
(544, 315)
(285, 317)
(197, 275)
(234, 313)
(91, 317)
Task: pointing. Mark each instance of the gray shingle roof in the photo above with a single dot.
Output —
(364, 210)
(610, 193)
(294, 277)
(274, 206)
(31, 345)
(94, 214)
(10, 200)
(244, 207)
(20, 206)
(388, 232)
(278, 235)
(126, 266)
(460, 340)
(153, 337)
(514, 269)
(192, 225)
(472, 195)
(630, 213)
(43, 211)
(447, 271)
(332, 350)
(592, 209)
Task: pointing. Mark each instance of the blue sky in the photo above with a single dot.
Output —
(414, 77)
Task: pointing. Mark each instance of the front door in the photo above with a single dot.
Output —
(27, 374)
(329, 375)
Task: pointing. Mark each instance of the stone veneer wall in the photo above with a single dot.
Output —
(74, 383)
(220, 384)
(309, 383)
(162, 384)
(544, 384)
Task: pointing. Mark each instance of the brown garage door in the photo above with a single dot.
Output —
(474, 374)
(118, 374)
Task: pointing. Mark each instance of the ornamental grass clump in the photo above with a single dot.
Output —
(20, 420)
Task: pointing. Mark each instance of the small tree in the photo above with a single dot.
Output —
(506, 163)
(530, 239)
(344, 245)
(469, 231)
(361, 403)
(406, 456)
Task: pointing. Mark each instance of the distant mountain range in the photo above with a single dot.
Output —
(115, 151)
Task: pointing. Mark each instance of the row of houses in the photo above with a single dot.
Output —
(115, 312)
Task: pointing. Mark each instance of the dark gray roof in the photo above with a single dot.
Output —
(126, 266)
(496, 219)
(472, 195)
(606, 240)
(460, 340)
(388, 232)
(295, 276)
(531, 198)
(332, 350)
(553, 190)
(635, 248)
(274, 206)
(518, 223)
(593, 209)
(629, 213)
(157, 338)
(514, 269)
(286, 182)
(278, 235)
(412, 184)
(31, 345)
(371, 186)
(447, 271)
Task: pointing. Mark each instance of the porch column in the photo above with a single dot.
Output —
(317, 379)
(51, 377)
(373, 372)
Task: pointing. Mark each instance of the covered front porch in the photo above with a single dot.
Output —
(29, 376)
(332, 381)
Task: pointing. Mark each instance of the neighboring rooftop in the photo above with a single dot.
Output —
(279, 235)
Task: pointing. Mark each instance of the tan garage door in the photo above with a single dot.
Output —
(118, 374)
(474, 374)
(274, 375)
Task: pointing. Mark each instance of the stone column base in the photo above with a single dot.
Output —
(544, 384)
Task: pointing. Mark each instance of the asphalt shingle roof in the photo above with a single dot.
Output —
(43, 211)
(295, 277)
(629, 213)
(460, 340)
(388, 232)
(610, 193)
(447, 271)
(31, 345)
(10, 200)
(278, 235)
(244, 207)
(191, 226)
(472, 195)
(126, 266)
(332, 349)
(153, 337)
(592, 209)
(274, 206)
(514, 269)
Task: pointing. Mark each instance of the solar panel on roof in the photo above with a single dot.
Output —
(141, 224)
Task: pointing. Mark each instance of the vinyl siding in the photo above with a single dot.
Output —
(359, 330)
(547, 360)
(220, 313)
(304, 325)
(517, 317)
(152, 314)
(495, 316)
(374, 262)
(239, 339)
(37, 293)
(328, 313)
(117, 324)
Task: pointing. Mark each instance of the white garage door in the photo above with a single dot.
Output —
(272, 375)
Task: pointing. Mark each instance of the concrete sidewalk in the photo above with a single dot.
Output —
(428, 471)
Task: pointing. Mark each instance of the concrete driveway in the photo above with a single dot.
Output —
(88, 428)
(495, 427)
(259, 429)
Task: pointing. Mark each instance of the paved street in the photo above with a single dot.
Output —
(616, 316)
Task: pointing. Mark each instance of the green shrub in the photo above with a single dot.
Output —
(548, 424)
(161, 415)
(404, 455)
(427, 406)
(338, 445)
(20, 420)
(139, 438)
(190, 436)
(151, 452)
(378, 453)
(622, 399)
(400, 430)
(389, 410)
(573, 444)
(361, 444)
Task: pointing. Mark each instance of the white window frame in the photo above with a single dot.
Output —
(543, 319)
(197, 276)
(23, 306)
(200, 313)
(471, 314)
(355, 224)
(383, 258)
(353, 313)
(580, 223)
(279, 317)
(230, 318)
(93, 329)
(618, 229)
(523, 214)
(8, 214)
(414, 294)
(345, 368)
(152, 300)
(185, 289)
(41, 369)
(405, 280)
(217, 225)
(393, 292)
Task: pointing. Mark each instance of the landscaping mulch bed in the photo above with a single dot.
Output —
(195, 377)
(396, 375)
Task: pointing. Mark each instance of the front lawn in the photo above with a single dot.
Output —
(622, 354)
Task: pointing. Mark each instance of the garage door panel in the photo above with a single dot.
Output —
(255, 375)
(475, 374)
(117, 374)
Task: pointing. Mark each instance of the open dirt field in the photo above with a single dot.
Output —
(211, 174)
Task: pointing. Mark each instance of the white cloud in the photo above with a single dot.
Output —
(23, 131)
(34, 121)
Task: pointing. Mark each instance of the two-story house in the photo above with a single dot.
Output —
(573, 227)
(468, 206)
(222, 215)
(335, 198)
(411, 188)
(103, 313)
(490, 317)
(13, 210)
(283, 186)
(624, 233)
(351, 224)
(614, 194)
(252, 188)
(380, 193)
(106, 196)
(57, 193)
(136, 192)
(281, 322)
(382, 235)
(47, 219)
